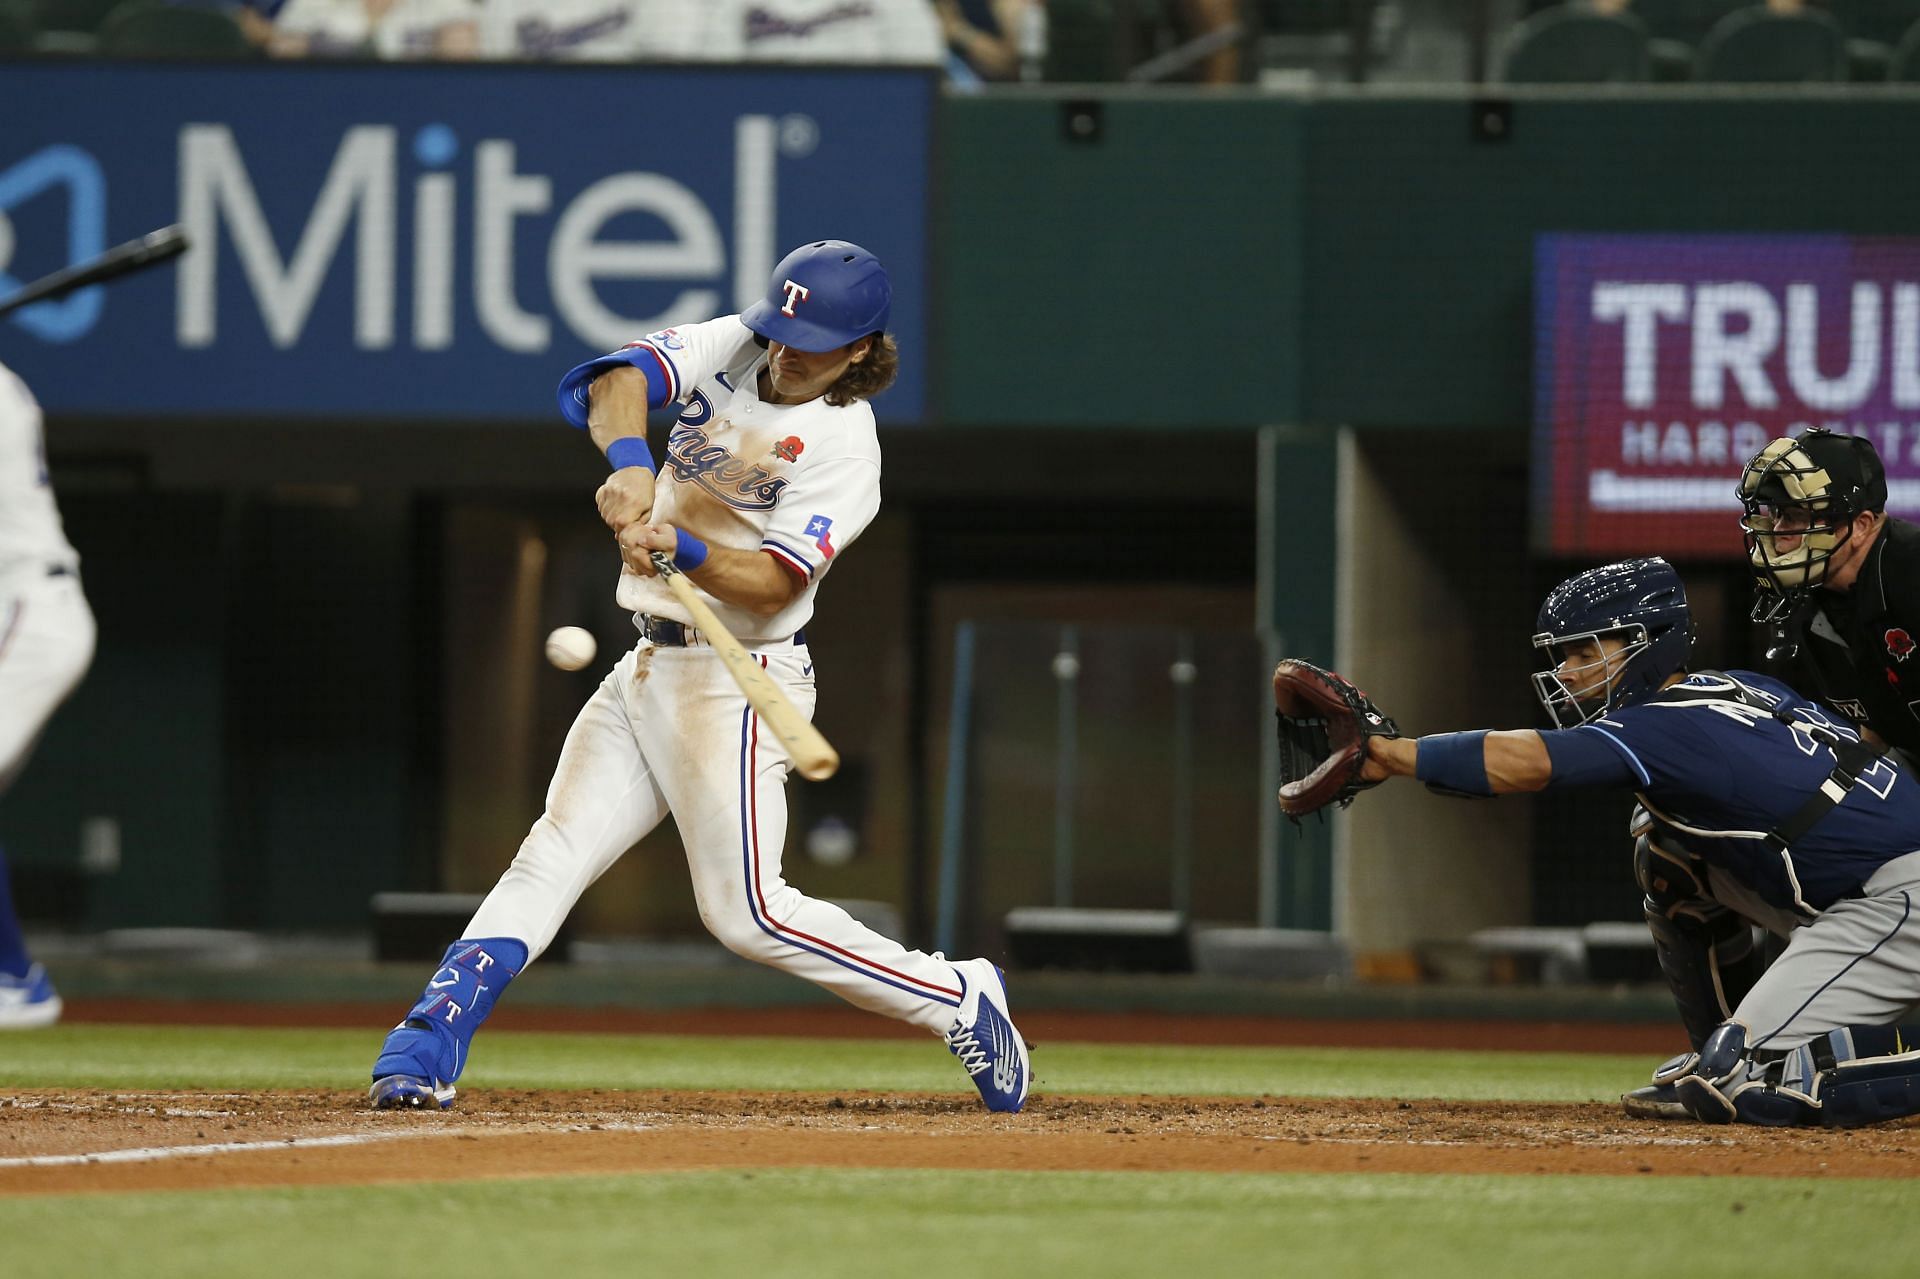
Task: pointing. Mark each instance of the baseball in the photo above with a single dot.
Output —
(571, 647)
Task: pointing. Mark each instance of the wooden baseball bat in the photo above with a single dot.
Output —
(121, 259)
(813, 756)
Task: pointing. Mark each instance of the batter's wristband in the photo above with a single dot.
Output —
(689, 552)
(630, 450)
(1454, 762)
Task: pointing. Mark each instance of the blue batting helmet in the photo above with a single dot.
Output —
(1638, 601)
(823, 296)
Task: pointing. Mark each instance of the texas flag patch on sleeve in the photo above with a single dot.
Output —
(820, 529)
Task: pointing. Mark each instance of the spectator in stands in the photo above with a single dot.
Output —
(376, 29)
(1204, 17)
(986, 34)
(895, 31)
(586, 30)
(255, 17)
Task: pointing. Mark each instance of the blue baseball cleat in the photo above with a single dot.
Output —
(29, 1002)
(984, 1040)
(409, 1092)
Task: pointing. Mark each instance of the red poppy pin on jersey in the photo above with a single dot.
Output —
(790, 449)
(1899, 644)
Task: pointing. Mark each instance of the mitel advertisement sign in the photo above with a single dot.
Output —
(433, 241)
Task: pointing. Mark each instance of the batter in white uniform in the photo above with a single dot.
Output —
(772, 471)
(46, 643)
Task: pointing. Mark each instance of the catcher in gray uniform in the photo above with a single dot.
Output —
(1759, 803)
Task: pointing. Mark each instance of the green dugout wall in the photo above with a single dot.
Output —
(1342, 262)
(1352, 259)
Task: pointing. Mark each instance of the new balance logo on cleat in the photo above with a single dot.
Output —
(985, 1041)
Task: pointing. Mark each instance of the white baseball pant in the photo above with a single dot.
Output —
(669, 731)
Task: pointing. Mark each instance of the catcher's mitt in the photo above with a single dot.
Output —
(1324, 726)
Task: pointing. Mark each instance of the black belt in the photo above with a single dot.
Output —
(666, 633)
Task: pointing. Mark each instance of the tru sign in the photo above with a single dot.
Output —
(795, 293)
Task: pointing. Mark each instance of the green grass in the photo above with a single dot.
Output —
(236, 1058)
(851, 1224)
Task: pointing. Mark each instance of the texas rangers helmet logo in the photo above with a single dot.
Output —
(1899, 644)
(796, 293)
(790, 449)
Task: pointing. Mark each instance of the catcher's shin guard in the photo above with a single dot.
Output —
(1731, 1083)
(1868, 1074)
(429, 1047)
(1706, 951)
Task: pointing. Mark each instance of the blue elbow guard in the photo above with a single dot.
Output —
(1454, 764)
(572, 393)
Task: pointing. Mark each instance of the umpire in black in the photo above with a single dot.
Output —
(1839, 582)
(1838, 578)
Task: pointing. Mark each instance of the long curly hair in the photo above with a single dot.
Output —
(870, 376)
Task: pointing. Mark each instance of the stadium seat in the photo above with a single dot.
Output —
(1083, 41)
(68, 26)
(1685, 21)
(1904, 66)
(145, 29)
(1755, 46)
(71, 15)
(1881, 21)
(16, 27)
(1577, 46)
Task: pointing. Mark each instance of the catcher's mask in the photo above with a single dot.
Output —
(1639, 602)
(1800, 497)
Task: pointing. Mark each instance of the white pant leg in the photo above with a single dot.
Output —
(46, 644)
(1858, 964)
(603, 800)
(725, 778)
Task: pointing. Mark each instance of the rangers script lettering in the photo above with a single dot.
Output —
(741, 485)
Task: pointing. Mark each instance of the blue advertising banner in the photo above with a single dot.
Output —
(433, 241)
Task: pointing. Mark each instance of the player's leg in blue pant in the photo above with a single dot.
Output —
(13, 945)
(27, 998)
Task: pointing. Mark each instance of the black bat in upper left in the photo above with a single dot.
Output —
(121, 259)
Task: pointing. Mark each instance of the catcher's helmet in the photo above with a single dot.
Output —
(822, 296)
(1640, 601)
(1808, 490)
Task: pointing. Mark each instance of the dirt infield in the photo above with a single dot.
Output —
(57, 1143)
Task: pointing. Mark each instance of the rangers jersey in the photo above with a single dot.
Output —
(1723, 758)
(31, 536)
(797, 481)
